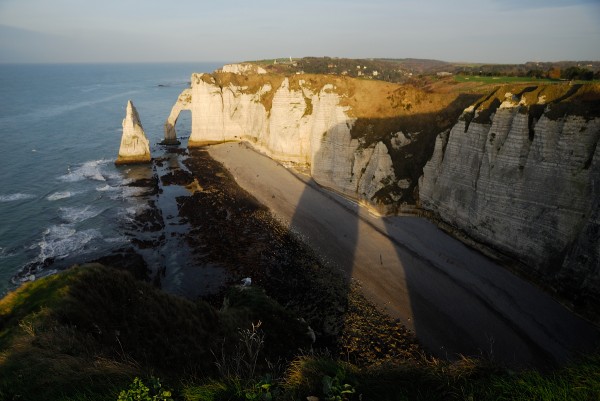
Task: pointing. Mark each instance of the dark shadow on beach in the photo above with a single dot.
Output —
(457, 301)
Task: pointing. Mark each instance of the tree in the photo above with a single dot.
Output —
(577, 73)
(554, 73)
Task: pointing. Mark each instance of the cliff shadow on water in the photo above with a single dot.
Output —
(456, 300)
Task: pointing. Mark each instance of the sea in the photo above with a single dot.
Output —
(62, 199)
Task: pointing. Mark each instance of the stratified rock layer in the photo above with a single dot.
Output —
(302, 125)
(365, 139)
(135, 147)
(521, 173)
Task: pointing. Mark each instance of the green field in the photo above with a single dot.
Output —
(503, 80)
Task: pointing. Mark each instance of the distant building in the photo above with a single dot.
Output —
(444, 74)
(375, 73)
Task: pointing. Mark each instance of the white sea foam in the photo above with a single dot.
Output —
(117, 240)
(90, 170)
(129, 213)
(62, 240)
(62, 195)
(78, 214)
(15, 197)
(126, 192)
(129, 192)
(116, 176)
(106, 187)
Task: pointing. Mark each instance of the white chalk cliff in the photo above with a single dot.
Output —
(184, 102)
(135, 147)
(301, 124)
(243, 68)
(525, 182)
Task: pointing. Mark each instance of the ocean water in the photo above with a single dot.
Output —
(62, 200)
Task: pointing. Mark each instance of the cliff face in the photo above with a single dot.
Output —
(520, 171)
(303, 125)
(348, 132)
(184, 102)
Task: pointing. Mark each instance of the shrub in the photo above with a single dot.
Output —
(139, 392)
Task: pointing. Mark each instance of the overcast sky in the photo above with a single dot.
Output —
(498, 31)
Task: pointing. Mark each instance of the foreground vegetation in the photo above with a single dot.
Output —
(95, 333)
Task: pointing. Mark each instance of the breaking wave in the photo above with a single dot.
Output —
(62, 195)
(15, 197)
(90, 170)
(78, 214)
(62, 240)
(106, 188)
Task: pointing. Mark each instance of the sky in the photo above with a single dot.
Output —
(486, 31)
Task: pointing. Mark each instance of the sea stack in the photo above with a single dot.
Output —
(135, 147)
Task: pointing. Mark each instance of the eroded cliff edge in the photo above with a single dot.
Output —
(520, 171)
(365, 139)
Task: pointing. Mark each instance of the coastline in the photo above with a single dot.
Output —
(194, 202)
(218, 214)
(203, 234)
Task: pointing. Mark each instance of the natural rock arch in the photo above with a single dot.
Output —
(184, 102)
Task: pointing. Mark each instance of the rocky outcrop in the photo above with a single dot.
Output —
(184, 102)
(292, 122)
(520, 172)
(366, 139)
(135, 147)
(243, 68)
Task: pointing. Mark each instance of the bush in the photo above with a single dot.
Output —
(284, 334)
(139, 392)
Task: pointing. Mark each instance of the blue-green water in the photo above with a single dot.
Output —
(62, 200)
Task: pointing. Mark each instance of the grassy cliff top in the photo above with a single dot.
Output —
(421, 110)
(365, 98)
(557, 100)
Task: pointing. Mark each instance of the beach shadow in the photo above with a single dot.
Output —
(457, 301)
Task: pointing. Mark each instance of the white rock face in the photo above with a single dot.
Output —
(135, 147)
(184, 102)
(302, 126)
(243, 69)
(525, 189)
